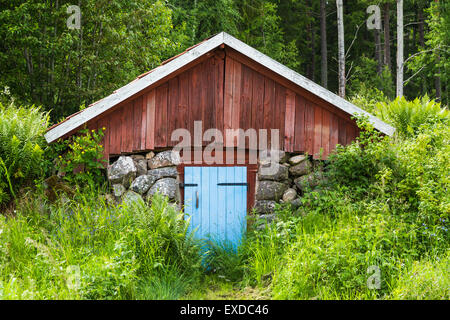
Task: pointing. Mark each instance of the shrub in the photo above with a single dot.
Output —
(408, 116)
(83, 162)
(21, 147)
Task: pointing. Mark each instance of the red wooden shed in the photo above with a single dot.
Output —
(227, 85)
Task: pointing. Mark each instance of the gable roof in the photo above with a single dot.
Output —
(143, 81)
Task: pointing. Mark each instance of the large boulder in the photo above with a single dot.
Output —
(267, 156)
(289, 195)
(264, 206)
(141, 166)
(118, 190)
(311, 181)
(296, 203)
(142, 184)
(270, 190)
(273, 171)
(164, 159)
(301, 168)
(123, 171)
(166, 172)
(167, 187)
(297, 159)
(131, 197)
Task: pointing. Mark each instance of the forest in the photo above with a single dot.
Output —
(385, 201)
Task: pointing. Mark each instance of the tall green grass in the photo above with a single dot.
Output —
(108, 252)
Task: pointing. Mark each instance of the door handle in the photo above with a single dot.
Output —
(196, 201)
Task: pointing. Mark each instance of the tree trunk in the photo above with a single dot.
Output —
(400, 54)
(387, 38)
(437, 77)
(421, 28)
(341, 48)
(378, 51)
(323, 43)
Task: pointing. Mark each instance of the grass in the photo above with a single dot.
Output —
(143, 252)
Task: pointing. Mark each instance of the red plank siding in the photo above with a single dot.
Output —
(161, 115)
(317, 131)
(172, 109)
(289, 129)
(258, 101)
(326, 119)
(151, 118)
(309, 128)
(300, 124)
(269, 102)
(137, 123)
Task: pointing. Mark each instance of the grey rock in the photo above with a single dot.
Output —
(296, 203)
(297, 159)
(166, 172)
(311, 180)
(270, 190)
(271, 155)
(164, 159)
(131, 197)
(301, 169)
(141, 166)
(122, 171)
(118, 190)
(137, 157)
(142, 184)
(264, 206)
(289, 195)
(273, 171)
(264, 220)
(167, 187)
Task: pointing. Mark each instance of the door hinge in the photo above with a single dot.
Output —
(233, 184)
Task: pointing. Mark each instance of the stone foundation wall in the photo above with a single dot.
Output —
(294, 174)
(140, 176)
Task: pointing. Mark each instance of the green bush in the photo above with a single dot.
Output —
(408, 116)
(21, 147)
(82, 160)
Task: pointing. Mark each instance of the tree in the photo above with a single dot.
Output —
(323, 43)
(400, 48)
(45, 63)
(341, 48)
(387, 36)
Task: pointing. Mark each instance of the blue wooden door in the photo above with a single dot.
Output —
(215, 199)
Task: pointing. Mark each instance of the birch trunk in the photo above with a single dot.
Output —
(341, 48)
(400, 55)
(387, 37)
(323, 41)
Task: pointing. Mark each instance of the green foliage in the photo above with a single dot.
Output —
(45, 63)
(83, 163)
(425, 280)
(117, 252)
(367, 82)
(21, 147)
(408, 116)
